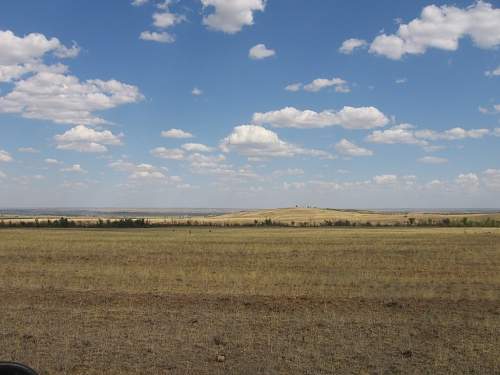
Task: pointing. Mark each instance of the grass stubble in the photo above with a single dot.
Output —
(251, 301)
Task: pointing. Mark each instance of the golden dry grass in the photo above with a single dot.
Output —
(310, 216)
(272, 301)
(319, 215)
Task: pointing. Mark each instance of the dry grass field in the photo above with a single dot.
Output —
(251, 301)
(297, 216)
(319, 215)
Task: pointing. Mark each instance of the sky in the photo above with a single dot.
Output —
(250, 103)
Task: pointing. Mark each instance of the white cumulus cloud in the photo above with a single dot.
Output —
(168, 153)
(321, 83)
(75, 168)
(260, 51)
(196, 147)
(491, 178)
(65, 99)
(160, 37)
(84, 139)
(230, 16)
(468, 181)
(406, 134)
(452, 134)
(386, 179)
(176, 133)
(5, 156)
(256, 141)
(350, 45)
(347, 148)
(143, 172)
(64, 52)
(167, 19)
(347, 117)
(28, 49)
(442, 27)
(398, 134)
(294, 87)
(138, 3)
(20, 56)
(88, 147)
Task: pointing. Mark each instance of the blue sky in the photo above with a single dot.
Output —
(249, 103)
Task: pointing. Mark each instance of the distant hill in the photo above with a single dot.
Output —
(294, 216)
(317, 215)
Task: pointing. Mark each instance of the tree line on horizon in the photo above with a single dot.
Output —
(64, 222)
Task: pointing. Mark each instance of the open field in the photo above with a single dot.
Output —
(319, 215)
(287, 216)
(270, 300)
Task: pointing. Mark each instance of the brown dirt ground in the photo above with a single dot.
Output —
(62, 329)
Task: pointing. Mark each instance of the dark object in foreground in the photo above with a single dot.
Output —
(11, 368)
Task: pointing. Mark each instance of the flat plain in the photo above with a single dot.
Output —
(294, 216)
(251, 300)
